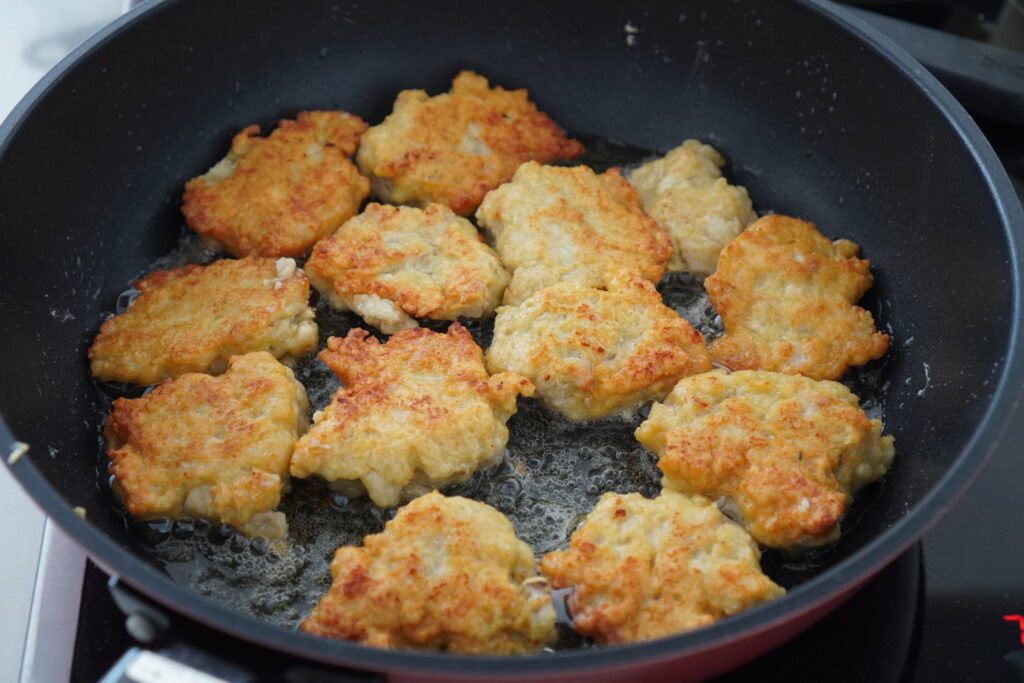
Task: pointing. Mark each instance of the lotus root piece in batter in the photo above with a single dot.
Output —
(595, 352)
(415, 414)
(211, 447)
(446, 574)
(552, 224)
(644, 569)
(787, 452)
(276, 196)
(453, 148)
(786, 296)
(192, 319)
(391, 263)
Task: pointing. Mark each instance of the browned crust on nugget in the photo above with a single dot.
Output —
(276, 196)
(789, 451)
(446, 574)
(455, 147)
(213, 447)
(644, 569)
(415, 413)
(591, 352)
(786, 295)
(429, 263)
(193, 318)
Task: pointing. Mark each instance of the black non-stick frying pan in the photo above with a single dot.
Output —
(821, 118)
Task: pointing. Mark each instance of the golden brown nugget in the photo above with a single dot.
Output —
(446, 574)
(685, 192)
(455, 147)
(211, 447)
(786, 295)
(390, 263)
(415, 414)
(553, 224)
(276, 196)
(194, 318)
(788, 452)
(591, 352)
(644, 569)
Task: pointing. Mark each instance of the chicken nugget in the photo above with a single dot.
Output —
(210, 447)
(276, 196)
(644, 569)
(685, 192)
(552, 224)
(591, 352)
(192, 319)
(787, 452)
(415, 414)
(455, 147)
(390, 263)
(786, 295)
(446, 574)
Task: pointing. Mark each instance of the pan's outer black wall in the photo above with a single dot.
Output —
(813, 122)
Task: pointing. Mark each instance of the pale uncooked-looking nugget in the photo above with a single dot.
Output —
(594, 352)
(552, 224)
(415, 414)
(390, 263)
(786, 296)
(644, 569)
(192, 319)
(685, 192)
(787, 452)
(455, 147)
(211, 447)
(276, 196)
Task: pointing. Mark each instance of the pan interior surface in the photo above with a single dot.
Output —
(815, 123)
(553, 473)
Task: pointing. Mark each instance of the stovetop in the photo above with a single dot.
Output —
(944, 610)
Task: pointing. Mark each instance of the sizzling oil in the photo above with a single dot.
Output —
(552, 475)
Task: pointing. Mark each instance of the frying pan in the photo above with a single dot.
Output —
(821, 117)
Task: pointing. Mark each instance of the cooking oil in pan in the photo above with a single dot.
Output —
(551, 476)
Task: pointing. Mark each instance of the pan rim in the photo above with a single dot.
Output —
(823, 588)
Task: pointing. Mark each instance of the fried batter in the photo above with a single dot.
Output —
(789, 452)
(211, 447)
(786, 294)
(593, 352)
(390, 263)
(645, 569)
(446, 574)
(415, 414)
(453, 148)
(192, 319)
(276, 196)
(552, 224)
(685, 192)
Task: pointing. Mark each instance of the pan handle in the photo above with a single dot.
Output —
(170, 654)
(987, 79)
